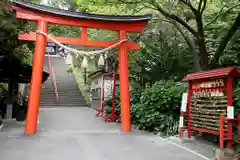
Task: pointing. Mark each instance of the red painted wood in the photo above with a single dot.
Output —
(189, 108)
(182, 114)
(53, 78)
(78, 41)
(229, 99)
(238, 124)
(84, 33)
(36, 79)
(180, 132)
(124, 85)
(114, 91)
(113, 116)
(54, 19)
(101, 110)
(205, 131)
(216, 73)
(221, 132)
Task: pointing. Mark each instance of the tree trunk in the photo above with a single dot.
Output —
(191, 46)
(203, 54)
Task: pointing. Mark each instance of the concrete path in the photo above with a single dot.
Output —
(76, 134)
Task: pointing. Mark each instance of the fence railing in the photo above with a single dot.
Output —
(53, 78)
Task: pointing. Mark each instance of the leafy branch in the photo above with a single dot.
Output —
(176, 18)
(225, 40)
(220, 13)
(188, 3)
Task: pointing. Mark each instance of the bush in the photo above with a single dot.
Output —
(159, 107)
(108, 105)
(155, 109)
(135, 95)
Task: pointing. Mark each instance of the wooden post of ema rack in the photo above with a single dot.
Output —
(230, 121)
(36, 80)
(124, 84)
(221, 132)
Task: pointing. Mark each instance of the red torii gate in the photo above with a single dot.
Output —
(44, 15)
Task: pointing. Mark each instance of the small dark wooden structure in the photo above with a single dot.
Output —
(11, 68)
(13, 72)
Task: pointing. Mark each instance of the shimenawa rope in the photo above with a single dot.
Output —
(84, 53)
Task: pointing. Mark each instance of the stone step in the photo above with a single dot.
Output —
(54, 102)
(60, 90)
(65, 102)
(62, 93)
(53, 99)
(61, 105)
(69, 93)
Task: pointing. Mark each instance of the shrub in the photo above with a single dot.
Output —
(155, 109)
(135, 95)
(159, 107)
(108, 105)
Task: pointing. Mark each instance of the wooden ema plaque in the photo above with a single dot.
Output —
(208, 102)
(209, 97)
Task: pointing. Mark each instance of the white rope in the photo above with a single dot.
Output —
(82, 53)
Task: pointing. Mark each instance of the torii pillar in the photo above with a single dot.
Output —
(35, 87)
(44, 15)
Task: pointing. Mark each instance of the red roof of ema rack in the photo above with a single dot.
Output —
(216, 73)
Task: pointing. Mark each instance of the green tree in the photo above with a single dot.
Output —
(10, 27)
(192, 19)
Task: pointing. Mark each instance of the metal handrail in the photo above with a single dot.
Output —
(53, 78)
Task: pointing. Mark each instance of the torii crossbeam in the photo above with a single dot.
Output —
(44, 15)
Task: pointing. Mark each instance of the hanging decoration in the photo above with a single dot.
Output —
(84, 62)
(69, 59)
(85, 54)
(101, 60)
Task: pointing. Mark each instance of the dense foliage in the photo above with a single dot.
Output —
(10, 27)
(156, 109)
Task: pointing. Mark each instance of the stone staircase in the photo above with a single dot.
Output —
(69, 93)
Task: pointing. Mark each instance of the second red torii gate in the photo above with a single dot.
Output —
(44, 16)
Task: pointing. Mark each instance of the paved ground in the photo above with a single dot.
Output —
(75, 133)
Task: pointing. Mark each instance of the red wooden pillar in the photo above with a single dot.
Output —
(238, 124)
(221, 130)
(34, 96)
(84, 33)
(189, 108)
(124, 84)
(114, 91)
(229, 99)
